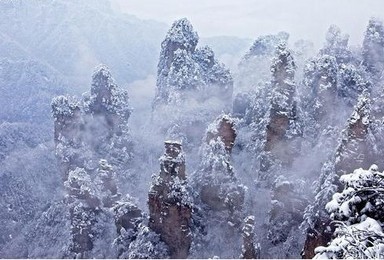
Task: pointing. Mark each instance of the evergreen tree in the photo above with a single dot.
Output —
(358, 213)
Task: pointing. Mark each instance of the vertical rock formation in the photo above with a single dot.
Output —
(128, 219)
(106, 114)
(281, 126)
(320, 82)
(184, 68)
(92, 146)
(94, 129)
(354, 151)
(188, 75)
(219, 194)
(169, 202)
(336, 45)
(217, 184)
(250, 249)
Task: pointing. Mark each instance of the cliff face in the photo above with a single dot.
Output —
(169, 203)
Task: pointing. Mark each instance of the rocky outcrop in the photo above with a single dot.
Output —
(225, 131)
(107, 100)
(354, 150)
(170, 207)
(218, 194)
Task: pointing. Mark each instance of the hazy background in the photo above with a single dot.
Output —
(303, 19)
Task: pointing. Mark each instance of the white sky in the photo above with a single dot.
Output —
(306, 19)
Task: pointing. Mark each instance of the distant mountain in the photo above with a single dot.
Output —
(75, 36)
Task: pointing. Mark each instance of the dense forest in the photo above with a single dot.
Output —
(127, 138)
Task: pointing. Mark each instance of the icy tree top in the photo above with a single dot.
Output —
(64, 106)
(362, 196)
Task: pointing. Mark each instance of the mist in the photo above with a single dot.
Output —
(180, 129)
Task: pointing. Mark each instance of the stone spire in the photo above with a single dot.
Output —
(170, 206)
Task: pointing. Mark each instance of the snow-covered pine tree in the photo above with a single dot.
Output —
(358, 213)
